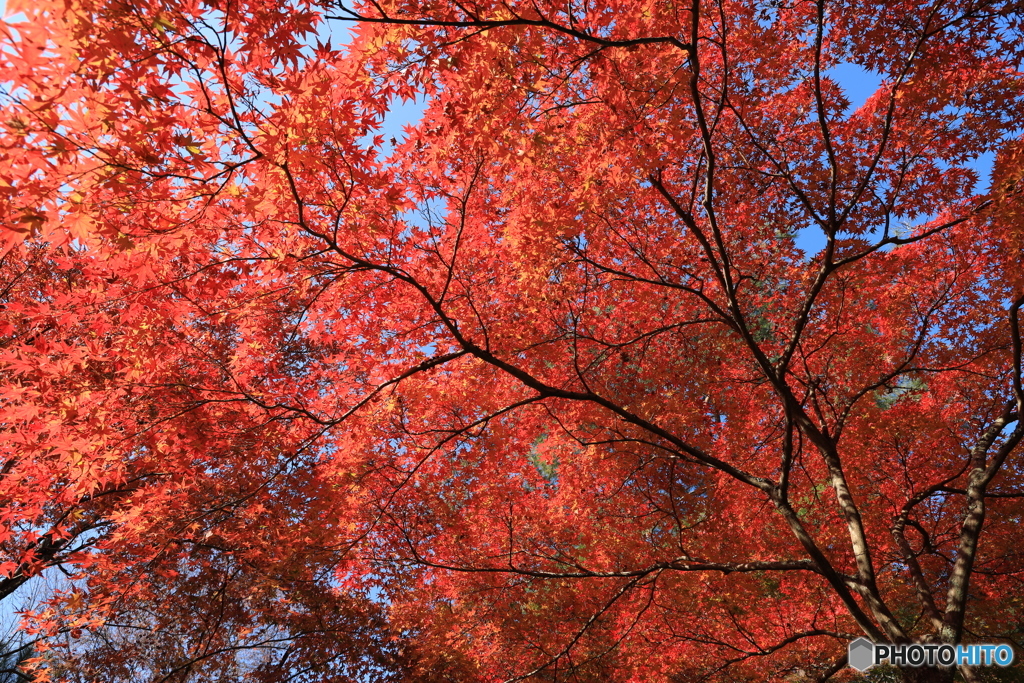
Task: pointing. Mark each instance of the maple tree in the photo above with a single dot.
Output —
(548, 387)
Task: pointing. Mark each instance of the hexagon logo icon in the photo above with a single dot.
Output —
(861, 654)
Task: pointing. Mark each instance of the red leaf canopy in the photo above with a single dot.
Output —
(548, 386)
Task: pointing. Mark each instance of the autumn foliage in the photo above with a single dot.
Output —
(643, 355)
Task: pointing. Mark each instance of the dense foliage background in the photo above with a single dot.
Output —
(544, 387)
